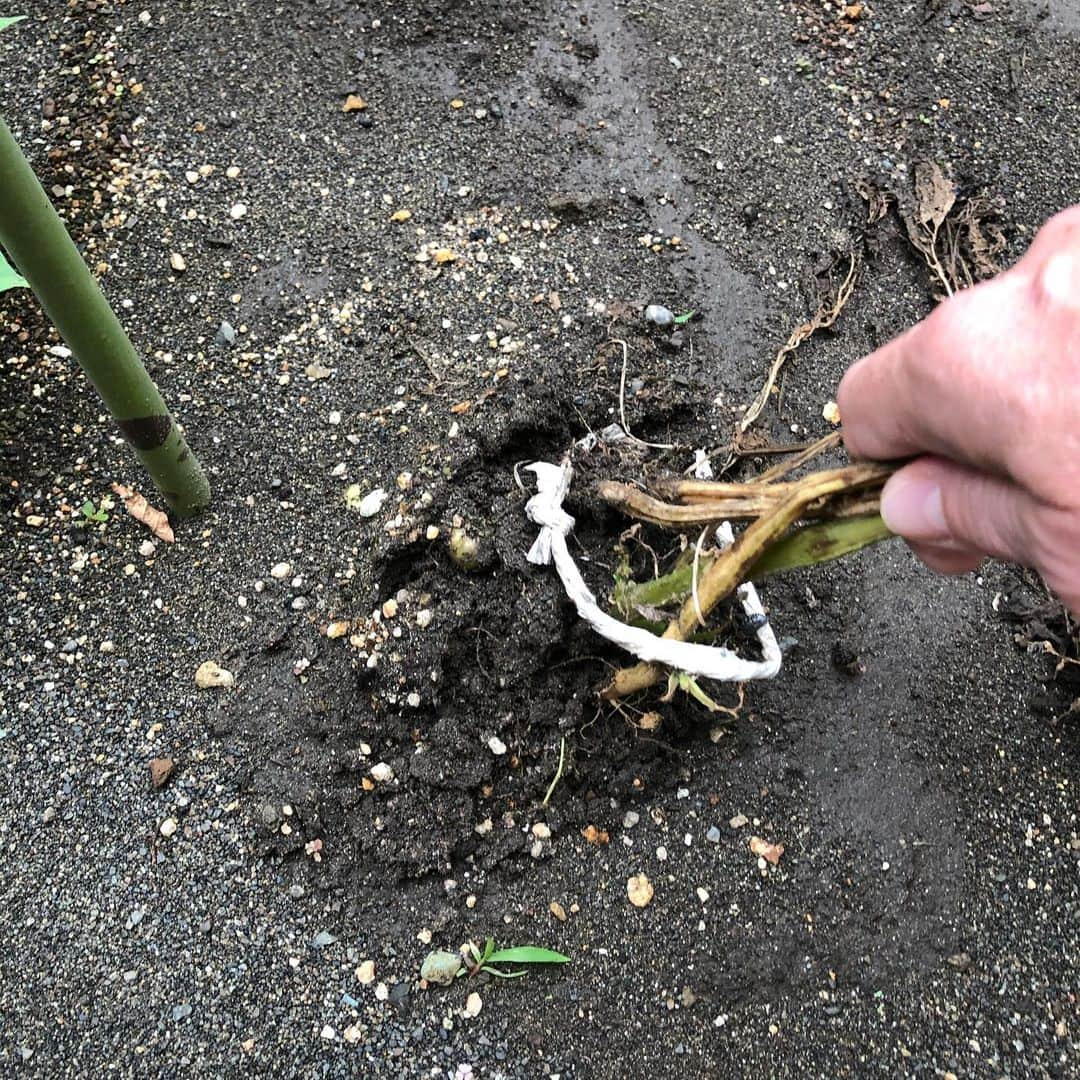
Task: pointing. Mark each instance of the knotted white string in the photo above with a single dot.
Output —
(708, 661)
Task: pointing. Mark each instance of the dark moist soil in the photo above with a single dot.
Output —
(914, 758)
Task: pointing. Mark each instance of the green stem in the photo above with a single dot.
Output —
(818, 543)
(35, 237)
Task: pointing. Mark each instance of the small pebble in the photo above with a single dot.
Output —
(372, 503)
(639, 890)
(225, 335)
(382, 773)
(238, 211)
(713, 835)
(168, 827)
(659, 315)
(496, 746)
(210, 675)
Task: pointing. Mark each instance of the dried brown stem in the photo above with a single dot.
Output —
(706, 501)
(785, 468)
(824, 317)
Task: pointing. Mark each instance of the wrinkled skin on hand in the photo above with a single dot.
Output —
(985, 393)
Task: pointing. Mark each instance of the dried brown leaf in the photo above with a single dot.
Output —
(935, 195)
(155, 520)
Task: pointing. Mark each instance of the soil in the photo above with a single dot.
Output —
(914, 758)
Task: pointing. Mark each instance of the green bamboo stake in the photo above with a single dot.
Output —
(35, 237)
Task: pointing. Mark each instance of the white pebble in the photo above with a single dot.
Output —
(168, 827)
(238, 211)
(372, 503)
(280, 570)
(496, 746)
(382, 773)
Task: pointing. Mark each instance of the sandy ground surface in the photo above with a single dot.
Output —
(580, 160)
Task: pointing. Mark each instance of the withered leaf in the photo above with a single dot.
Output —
(155, 520)
(934, 193)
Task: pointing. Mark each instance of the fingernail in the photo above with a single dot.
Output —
(911, 507)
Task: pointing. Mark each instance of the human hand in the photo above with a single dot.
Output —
(987, 391)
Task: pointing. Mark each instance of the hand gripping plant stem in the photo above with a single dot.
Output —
(35, 237)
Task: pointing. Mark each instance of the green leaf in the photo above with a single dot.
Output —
(527, 954)
(9, 279)
(10, 20)
(682, 320)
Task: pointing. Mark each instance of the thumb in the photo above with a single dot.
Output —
(936, 503)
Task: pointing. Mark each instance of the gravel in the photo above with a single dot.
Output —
(184, 929)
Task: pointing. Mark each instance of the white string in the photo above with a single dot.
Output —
(708, 661)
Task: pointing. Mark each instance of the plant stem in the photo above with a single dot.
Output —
(818, 543)
(35, 237)
(732, 567)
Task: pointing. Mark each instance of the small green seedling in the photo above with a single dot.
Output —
(92, 515)
(681, 680)
(682, 320)
(523, 954)
(9, 277)
(442, 968)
